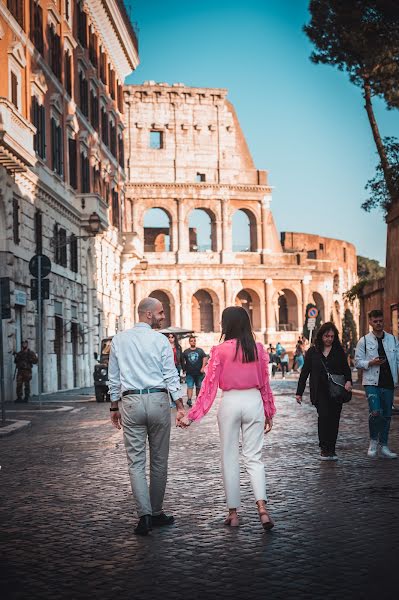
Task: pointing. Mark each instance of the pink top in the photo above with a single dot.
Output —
(227, 373)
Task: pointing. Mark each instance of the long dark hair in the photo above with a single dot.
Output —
(329, 326)
(236, 325)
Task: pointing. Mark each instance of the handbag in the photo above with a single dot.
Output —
(336, 386)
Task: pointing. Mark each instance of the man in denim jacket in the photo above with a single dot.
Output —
(377, 353)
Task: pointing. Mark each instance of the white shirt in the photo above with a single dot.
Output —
(141, 358)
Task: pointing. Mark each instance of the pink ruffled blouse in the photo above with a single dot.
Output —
(226, 372)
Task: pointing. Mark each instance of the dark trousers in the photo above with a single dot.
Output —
(23, 381)
(329, 413)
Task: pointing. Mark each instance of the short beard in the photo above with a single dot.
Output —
(155, 324)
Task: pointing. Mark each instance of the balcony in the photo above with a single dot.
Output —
(16, 139)
(89, 203)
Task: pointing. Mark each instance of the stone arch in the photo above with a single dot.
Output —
(336, 283)
(250, 300)
(202, 230)
(287, 316)
(157, 230)
(244, 232)
(167, 302)
(205, 307)
(319, 302)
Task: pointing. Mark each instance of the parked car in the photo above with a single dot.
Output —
(100, 374)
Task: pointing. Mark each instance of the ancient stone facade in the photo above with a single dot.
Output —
(61, 160)
(199, 231)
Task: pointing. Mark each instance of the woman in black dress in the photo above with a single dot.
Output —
(327, 349)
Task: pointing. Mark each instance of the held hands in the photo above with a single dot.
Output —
(180, 415)
(184, 423)
(268, 424)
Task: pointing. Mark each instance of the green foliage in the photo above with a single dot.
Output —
(349, 331)
(360, 37)
(369, 268)
(377, 187)
(306, 331)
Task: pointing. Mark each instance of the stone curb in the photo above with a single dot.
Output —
(43, 410)
(14, 427)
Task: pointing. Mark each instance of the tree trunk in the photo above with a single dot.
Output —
(378, 141)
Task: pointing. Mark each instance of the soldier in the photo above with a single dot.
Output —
(24, 359)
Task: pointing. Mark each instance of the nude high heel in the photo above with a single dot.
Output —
(232, 519)
(264, 517)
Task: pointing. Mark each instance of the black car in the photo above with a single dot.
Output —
(101, 371)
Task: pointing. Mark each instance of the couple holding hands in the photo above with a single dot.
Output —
(142, 374)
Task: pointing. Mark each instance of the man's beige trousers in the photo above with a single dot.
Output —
(147, 416)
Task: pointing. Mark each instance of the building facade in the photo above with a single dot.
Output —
(62, 161)
(198, 215)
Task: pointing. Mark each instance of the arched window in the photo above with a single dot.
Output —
(287, 311)
(157, 231)
(202, 311)
(319, 302)
(244, 231)
(202, 231)
(249, 300)
(336, 284)
(165, 301)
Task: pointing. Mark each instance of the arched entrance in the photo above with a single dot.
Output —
(202, 312)
(249, 300)
(165, 301)
(287, 311)
(244, 231)
(319, 302)
(157, 231)
(202, 231)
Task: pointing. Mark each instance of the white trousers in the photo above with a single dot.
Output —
(242, 410)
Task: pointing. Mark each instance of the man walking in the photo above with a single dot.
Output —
(377, 353)
(24, 361)
(194, 361)
(141, 372)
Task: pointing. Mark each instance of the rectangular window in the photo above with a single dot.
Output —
(344, 249)
(200, 177)
(84, 94)
(93, 48)
(103, 67)
(321, 246)
(15, 220)
(36, 25)
(60, 250)
(67, 10)
(85, 173)
(16, 8)
(94, 109)
(73, 246)
(54, 47)
(104, 126)
(57, 147)
(14, 89)
(39, 232)
(121, 151)
(312, 254)
(156, 140)
(115, 209)
(68, 73)
(111, 82)
(120, 97)
(38, 117)
(73, 179)
(82, 26)
(112, 139)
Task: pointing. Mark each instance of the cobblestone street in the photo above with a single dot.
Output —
(67, 513)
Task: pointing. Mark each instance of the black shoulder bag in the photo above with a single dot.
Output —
(336, 386)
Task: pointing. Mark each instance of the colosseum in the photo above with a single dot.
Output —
(198, 217)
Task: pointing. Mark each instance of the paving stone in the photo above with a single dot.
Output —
(67, 514)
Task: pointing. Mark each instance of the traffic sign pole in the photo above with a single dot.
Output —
(39, 324)
(3, 400)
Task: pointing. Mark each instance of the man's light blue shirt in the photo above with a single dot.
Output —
(142, 358)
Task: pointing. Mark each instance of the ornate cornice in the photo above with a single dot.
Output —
(217, 189)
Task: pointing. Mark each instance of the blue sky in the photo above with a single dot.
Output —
(304, 123)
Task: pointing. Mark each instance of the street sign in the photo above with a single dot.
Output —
(45, 265)
(5, 300)
(45, 289)
(313, 312)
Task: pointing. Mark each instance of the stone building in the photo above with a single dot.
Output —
(61, 161)
(198, 215)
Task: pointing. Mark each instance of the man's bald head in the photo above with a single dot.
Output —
(151, 311)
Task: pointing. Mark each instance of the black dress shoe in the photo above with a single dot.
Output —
(144, 525)
(162, 519)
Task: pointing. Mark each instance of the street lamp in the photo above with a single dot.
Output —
(94, 228)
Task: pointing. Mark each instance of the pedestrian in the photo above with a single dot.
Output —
(284, 361)
(326, 355)
(377, 354)
(273, 359)
(24, 361)
(239, 366)
(194, 361)
(177, 351)
(298, 352)
(141, 372)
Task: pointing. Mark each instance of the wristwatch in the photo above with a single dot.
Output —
(114, 408)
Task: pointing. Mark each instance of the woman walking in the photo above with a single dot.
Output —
(177, 351)
(239, 366)
(326, 356)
